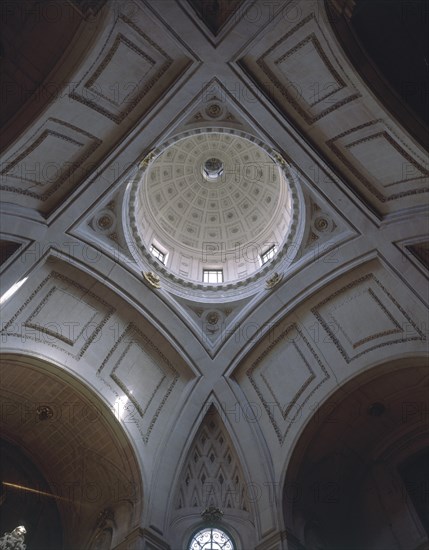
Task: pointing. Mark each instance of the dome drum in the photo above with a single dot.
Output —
(212, 201)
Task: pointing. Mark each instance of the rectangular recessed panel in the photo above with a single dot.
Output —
(62, 315)
(350, 317)
(136, 367)
(381, 159)
(48, 160)
(313, 80)
(120, 80)
(364, 316)
(284, 373)
(139, 372)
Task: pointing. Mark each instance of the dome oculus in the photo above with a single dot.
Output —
(212, 169)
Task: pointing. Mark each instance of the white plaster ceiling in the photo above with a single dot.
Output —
(361, 259)
(224, 222)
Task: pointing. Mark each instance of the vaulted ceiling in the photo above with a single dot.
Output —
(349, 292)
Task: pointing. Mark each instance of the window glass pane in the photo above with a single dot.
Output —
(158, 254)
(211, 539)
(212, 276)
(268, 254)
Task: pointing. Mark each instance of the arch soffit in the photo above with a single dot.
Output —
(371, 373)
(80, 397)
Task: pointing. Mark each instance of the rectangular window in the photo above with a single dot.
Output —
(158, 254)
(212, 276)
(268, 254)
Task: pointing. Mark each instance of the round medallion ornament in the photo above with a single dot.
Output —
(44, 412)
(212, 318)
(322, 223)
(214, 110)
(104, 221)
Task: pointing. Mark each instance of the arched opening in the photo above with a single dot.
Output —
(211, 538)
(35, 36)
(386, 42)
(346, 486)
(7, 249)
(70, 455)
(24, 500)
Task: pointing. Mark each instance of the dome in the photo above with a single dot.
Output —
(211, 208)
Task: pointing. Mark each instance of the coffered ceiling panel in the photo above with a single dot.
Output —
(355, 336)
(307, 371)
(130, 64)
(47, 164)
(127, 73)
(298, 70)
(301, 67)
(59, 313)
(305, 76)
(377, 158)
(138, 368)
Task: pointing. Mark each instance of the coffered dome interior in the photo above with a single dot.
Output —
(212, 201)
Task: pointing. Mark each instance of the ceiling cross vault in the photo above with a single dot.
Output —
(239, 125)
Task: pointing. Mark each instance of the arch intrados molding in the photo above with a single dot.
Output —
(187, 287)
(88, 393)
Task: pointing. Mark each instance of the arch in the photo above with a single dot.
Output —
(206, 535)
(345, 463)
(211, 478)
(7, 249)
(77, 444)
(32, 75)
(38, 514)
(391, 81)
